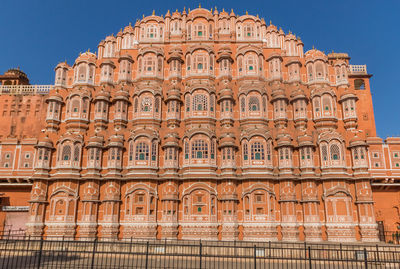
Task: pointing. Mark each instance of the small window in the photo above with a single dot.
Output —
(199, 209)
(7, 156)
(397, 165)
(396, 155)
(359, 84)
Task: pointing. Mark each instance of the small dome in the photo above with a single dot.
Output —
(315, 54)
(128, 29)
(283, 138)
(116, 140)
(305, 140)
(45, 142)
(95, 141)
(357, 141)
(87, 56)
(102, 95)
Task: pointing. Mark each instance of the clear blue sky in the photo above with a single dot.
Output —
(37, 34)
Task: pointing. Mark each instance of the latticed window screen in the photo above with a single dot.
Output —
(187, 103)
(245, 152)
(199, 149)
(254, 103)
(153, 151)
(268, 151)
(157, 104)
(76, 153)
(324, 152)
(186, 150)
(146, 104)
(212, 150)
(200, 102)
(66, 153)
(142, 152)
(335, 152)
(257, 151)
(242, 104)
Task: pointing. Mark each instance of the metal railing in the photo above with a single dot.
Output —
(27, 252)
(25, 89)
(391, 237)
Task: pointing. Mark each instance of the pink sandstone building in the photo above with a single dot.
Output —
(200, 124)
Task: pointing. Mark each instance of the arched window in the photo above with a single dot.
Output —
(324, 152)
(200, 102)
(186, 150)
(142, 152)
(66, 153)
(146, 104)
(245, 152)
(76, 153)
(242, 104)
(310, 72)
(250, 63)
(212, 101)
(131, 151)
(199, 149)
(335, 152)
(240, 64)
(319, 69)
(154, 151)
(257, 151)
(75, 105)
(254, 103)
(157, 104)
(187, 103)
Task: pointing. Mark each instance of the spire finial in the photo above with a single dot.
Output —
(247, 13)
(154, 12)
(270, 22)
(313, 47)
(142, 16)
(199, 5)
(130, 24)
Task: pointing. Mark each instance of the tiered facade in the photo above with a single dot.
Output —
(206, 125)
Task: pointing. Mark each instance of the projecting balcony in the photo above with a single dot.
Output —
(25, 89)
(358, 69)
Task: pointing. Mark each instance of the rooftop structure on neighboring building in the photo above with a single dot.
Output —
(206, 124)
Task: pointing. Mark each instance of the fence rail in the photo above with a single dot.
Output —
(25, 89)
(21, 252)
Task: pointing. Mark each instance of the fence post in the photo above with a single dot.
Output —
(255, 256)
(200, 252)
(94, 252)
(147, 254)
(365, 258)
(40, 252)
(309, 257)
(377, 253)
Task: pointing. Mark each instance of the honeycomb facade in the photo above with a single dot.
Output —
(206, 125)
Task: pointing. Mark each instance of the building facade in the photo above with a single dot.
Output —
(209, 125)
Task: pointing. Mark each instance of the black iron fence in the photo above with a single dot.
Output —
(391, 237)
(25, 252)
